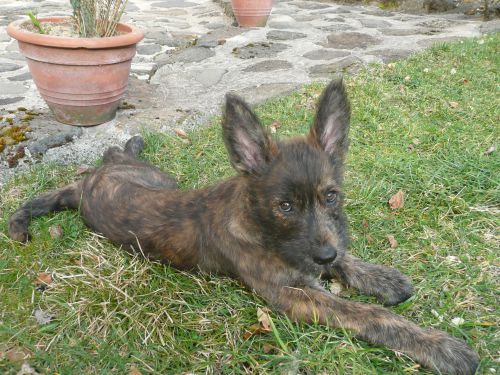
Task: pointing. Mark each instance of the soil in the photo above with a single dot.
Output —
(63, 29)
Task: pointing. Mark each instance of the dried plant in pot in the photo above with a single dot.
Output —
(81, 76)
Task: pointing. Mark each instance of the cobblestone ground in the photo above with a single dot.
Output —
(193, 54)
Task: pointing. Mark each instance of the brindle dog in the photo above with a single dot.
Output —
(277, 226)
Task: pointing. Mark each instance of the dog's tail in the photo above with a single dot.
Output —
(58, 200)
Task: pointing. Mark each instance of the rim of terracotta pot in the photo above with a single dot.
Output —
(132, 35)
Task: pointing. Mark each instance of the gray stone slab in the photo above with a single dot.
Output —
(5, 101)
(284, 35)
(373, 23)
(209, 77)
(400, 32)
(286, 25)
(59, 135)
(261, 49)
(492, 26)
(346, 64)
(311, 5)
(21, 77)
(174, 4)
(12, 88)
(325, 54)
(188, 55)
(260, 93)
(350, 40)
(8, 67)
(378, 13)
(218, 37)
(306, 17)
(336, 27)
(148, 49)
(269, 65)
(215, 25)
(429, 42)
(392, 54)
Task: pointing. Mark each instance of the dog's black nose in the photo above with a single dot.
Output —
(325, 254)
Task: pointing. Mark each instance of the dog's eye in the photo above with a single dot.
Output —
(331, 197)
(285, 206)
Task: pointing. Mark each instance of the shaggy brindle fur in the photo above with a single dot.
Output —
(277, 226)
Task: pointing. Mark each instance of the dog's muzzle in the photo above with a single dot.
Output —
(325, 254)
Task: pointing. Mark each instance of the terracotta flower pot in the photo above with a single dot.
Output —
(81, 79)
(252, 13)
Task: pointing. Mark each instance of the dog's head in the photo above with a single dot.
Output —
(295, 186)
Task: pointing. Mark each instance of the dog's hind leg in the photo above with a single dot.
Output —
(58, 200)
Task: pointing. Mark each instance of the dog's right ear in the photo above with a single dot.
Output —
(247, 142)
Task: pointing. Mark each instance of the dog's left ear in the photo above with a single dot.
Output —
(330, 129)
(247, 142)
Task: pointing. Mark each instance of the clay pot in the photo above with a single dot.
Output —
(81, 79)
(252, 13)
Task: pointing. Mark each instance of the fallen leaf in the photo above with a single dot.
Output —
(26, 369)
(397, 201)
(465, 81)
(402, 89)
(42, 317)
(407, 78)
(134, 371)
(44, 278)
(335, 287)
(391, 66)
(55, 231)
(181, 133)
(411, 147)
(267, 348)
(264, 319)
(17, 355)
(392, 241)
(491, 150)
(369, 238)
(453, 104)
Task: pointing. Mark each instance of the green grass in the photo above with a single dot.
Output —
(114, 312)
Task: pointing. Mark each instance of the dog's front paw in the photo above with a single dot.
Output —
(18, 230)
(392, 287)
(449, 355)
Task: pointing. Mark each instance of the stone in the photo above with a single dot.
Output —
(260, 93)
(400, 32)
(11, 100)
(188, 55)
(343, 10)
(174, 4)
(284, 35)
(218, 37)
(4, 37)
(148, 49)
(65, 134)
(336, 27)
(209, 77)
(346, 64)
(261, 49)
(143, 68)
(350, 40)
(490, 27)
(372, 23)
(269, 65)
(21, 77)
(325, 54)
(171, 39)
(286, 25)
(12, 88)
(8, 67)
(305, 17)
(390, 55)
(429, 42)
(311, 5)
(378, 13)
(438, 23)
(131, 7)
(215, 25)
